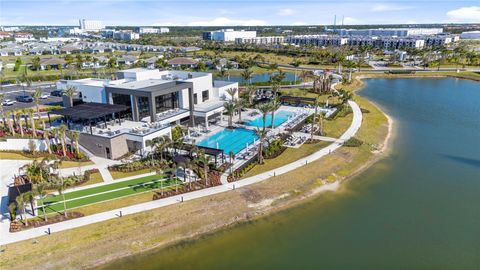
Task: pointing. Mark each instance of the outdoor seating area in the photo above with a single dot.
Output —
(295, 141)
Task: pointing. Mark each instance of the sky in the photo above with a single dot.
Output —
(239, 13)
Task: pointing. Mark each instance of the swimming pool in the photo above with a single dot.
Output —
(280, 118)
(228, 140)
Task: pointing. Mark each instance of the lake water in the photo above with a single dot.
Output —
(260, 77)
(417, 209)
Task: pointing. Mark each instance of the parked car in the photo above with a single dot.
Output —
(24, 98)
(45, 96)
(8, 102)
(56, 93)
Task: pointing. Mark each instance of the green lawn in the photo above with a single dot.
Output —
(73, 164)
(108, 192)
(288, 156)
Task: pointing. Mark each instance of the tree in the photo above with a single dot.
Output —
(75, 137)
(262, 133)
(247, 75)
(36, 63)
(230, 108)
(275, 105)
(29, 198)
(205, 160)
(18, 63)
(19, 122)
(296, 63)
(251, 90)
(46, 138)
(21, 205)
(223, 73)
(158, 145)
(70, 91)
(36, 98)
(264, 109)
(60, 132)
(304, 75)
(8, 116)
(350, 65)
(61, 184)
(2, 112)
(42, 193)
(30, 112)
(232, 92)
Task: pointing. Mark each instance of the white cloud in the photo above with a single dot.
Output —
(285, 12)
(223, 21)
(388, 7)
(464, 14)
(299, 23)
(350, 20)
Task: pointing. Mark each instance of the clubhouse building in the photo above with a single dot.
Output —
(118, 117)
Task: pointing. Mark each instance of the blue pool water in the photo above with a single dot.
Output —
(280, 118)
(230, 140)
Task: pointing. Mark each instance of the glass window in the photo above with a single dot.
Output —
(195, 99)
(204, 95)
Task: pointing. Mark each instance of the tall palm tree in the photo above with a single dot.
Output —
(61, 184)
(30, 112)
(2, 112)
(46, 138)
(232, 92)
(274, 105)
(18, 116)
(42, 193)
(205, 160)
(61, 133)
(247, 75)
(223, 73)
(230, 108)
(262, 133)
(251, 94)
(239, 105)
(20, 200)
(36, 98)
(30, 197)
(305, 75)
(70, 92)
(264, 109)
(75, 137)
(8, 116)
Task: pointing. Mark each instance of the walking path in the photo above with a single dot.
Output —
(7, 237)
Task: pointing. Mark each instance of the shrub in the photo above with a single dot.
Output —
(12, 209)
(353, 142)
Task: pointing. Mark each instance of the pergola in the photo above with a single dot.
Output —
(90, 112)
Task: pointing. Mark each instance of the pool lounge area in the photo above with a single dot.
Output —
(280, 118)
(234, 140)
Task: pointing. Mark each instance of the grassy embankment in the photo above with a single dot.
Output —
(98, 243)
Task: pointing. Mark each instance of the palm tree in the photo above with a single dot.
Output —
(223, 73)
(75, 137)
(30, 112)
(30, 197)
(20, 200)
(36, 98)
(230, 108)
(18, 116)
(262, 133)
(8, 116)
(296, 63)
(70, 92)
(350, 65)
(2, 112)
(264, 109)
(46, 138)
(232, 92)
(61, 134)
(275, 105)
(251, 94)
(304, 75)
(42, 193)
(61, 184)
(239, 105)
(205, 160)
(247, 75)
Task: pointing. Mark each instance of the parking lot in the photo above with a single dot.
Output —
(12, 91)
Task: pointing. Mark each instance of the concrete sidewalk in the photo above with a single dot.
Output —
(7, 237)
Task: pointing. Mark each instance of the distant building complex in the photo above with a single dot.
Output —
(151, 30)
(89, 25)
(389, 32)
(228, 35)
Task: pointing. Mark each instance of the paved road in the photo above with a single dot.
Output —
(7, 238)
